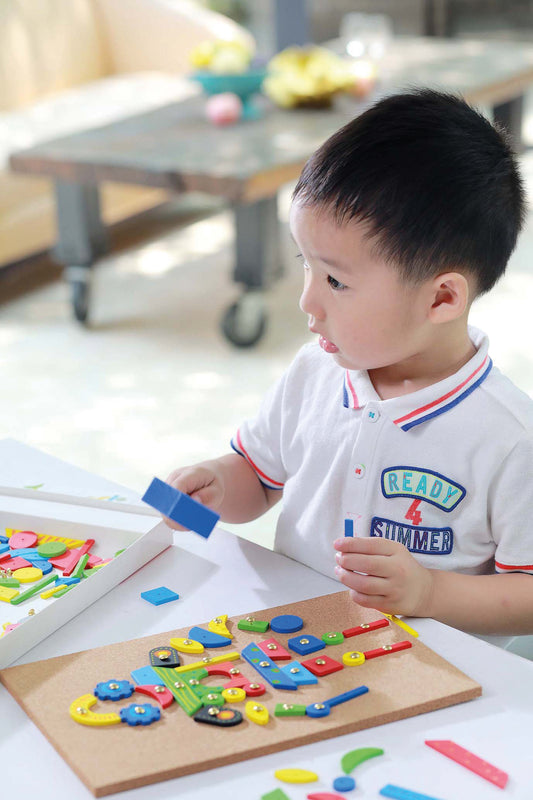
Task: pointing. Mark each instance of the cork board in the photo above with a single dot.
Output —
(121, 757)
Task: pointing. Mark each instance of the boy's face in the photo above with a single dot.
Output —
(366, 315)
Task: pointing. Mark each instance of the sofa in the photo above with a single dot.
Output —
(68, 65)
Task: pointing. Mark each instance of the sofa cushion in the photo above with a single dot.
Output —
(46, 46)
(89, 106)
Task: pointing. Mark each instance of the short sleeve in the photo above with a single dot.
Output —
(511, 509)
(259, 440)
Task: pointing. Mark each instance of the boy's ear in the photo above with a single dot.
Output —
(450, 297)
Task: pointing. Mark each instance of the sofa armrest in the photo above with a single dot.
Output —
(160, 34)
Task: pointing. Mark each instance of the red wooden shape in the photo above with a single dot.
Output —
(324, 796)
(238, 681)
(22, 539)
(165, 698)
(276, 651)
(15, 563)
(386, 649)
(470, 761)
(69, 567)
(322, 665)
(365, 627)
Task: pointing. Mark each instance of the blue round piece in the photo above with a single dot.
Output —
(344, 784)
(114, 690)
(140, 714)
(317, 710)
(286, 623)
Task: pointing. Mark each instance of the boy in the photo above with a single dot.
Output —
(397, 446)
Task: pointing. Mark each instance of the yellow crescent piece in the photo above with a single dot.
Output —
(187, 645)
(79, 711)
(218, 625)
(296, 775)
(256, 712)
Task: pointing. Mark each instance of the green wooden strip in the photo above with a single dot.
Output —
(351, 760)
(35, 589)
(78, 571)
(289, 710)
(256, 625)
(10, 583)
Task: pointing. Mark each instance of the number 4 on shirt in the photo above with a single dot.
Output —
(413, 513)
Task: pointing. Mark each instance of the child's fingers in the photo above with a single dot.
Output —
(368, 585)
(380, 566)
(190, 480)
(367, 545)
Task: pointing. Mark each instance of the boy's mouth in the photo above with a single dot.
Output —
(327, 346)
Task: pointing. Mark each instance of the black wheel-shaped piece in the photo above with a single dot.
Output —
(80, 299)
(244, 323)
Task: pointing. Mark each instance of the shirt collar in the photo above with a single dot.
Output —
(413, 409)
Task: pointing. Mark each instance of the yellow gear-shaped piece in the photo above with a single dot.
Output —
(80, 712)
(218, 625)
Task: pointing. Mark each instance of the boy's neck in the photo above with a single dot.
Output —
(430, 366)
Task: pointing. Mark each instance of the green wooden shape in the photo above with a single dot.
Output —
(200, 690)
(258, 626)
(351, 760)
(277, 794)
(218, 701)
(183, 694)
(79, 570)
(332, 637)
(35, 589)
(51, 549)
(10, 583)
(289, 710)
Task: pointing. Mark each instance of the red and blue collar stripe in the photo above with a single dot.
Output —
(430, 410)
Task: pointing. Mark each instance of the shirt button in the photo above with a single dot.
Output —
(359, 470)
(372, 415)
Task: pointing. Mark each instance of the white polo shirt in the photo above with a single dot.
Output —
(447, 470)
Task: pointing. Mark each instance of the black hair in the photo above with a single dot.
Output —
(435, 182)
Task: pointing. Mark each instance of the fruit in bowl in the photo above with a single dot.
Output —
(307, 76)
(225, 67)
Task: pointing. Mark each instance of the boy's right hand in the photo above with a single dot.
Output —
(203, 482)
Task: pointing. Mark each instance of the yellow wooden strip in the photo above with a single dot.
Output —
(233, 656)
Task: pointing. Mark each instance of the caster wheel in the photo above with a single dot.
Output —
(244, 323)
(79, 279)
(80, 300)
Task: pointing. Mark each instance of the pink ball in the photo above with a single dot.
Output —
(223, 109)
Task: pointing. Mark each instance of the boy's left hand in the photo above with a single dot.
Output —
(382, 574)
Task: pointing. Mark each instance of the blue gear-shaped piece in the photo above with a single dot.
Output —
(114, 690)
(133, 714)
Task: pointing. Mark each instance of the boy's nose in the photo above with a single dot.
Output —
(310, 304)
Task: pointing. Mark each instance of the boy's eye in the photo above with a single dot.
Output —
(335, 284)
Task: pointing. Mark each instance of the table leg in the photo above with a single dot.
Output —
(257, 264)
(81, 239)
(510, 116)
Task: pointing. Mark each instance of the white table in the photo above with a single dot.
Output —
(228, 575)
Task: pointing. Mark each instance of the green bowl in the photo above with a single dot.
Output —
(242, 84)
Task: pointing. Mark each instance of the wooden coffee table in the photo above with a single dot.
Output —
(174, 147)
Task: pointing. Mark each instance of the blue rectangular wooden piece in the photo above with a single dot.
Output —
(180, 507)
